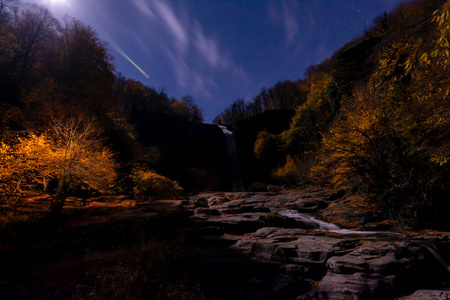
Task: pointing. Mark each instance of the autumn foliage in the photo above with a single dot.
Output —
(375, 118)
(56, 78)
(149, 185)
(69, 156)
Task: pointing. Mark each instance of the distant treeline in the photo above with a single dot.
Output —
(375, 117)
(56, 69)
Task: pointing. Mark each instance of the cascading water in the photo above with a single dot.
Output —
(234, 160)
(310, 222)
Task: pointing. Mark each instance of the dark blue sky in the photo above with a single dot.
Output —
(218, 51)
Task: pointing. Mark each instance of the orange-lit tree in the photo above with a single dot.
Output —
(72, 153)
(83, 159)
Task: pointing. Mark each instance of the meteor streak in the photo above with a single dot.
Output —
(121, 52)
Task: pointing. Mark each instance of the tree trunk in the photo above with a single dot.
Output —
(61, 194)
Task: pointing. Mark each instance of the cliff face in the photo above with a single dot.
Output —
(274, 121)
(193, 154)
(202, 157)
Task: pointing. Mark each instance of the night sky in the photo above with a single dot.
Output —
(218, 51)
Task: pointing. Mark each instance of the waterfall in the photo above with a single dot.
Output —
(434, 251)
(234, 160)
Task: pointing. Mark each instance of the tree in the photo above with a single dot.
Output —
(72, 154)
(84, 161)
(187, 109)
(86, 71)
(33, 25)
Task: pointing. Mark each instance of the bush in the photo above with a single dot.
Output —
(267, 146)
(288, 173)
(149, 185)
(273, 188)
(258, 187)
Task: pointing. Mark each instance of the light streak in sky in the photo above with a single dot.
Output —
(113, 44)
(121, 52)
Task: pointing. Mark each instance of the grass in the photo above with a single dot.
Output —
(147, 262)
(152, 270)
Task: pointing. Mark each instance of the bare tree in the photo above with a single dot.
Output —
(84, 160)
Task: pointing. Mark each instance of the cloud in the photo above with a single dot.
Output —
(290, 22)
(286, 16)
(174, 24)
(192, 53)
(144, 8)
(206, 47)
(187, 77)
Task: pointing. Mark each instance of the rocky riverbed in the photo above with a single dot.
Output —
(306, 258)
(239, 245)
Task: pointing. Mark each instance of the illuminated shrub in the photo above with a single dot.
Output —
(288, 173)
(266, 146)
(150, 185)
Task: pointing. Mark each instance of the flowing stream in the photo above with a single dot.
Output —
(310, 222)
(233, 158)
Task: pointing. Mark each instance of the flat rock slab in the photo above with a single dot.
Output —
(428, 294)
(356, 286)
(348, 264)
(325, 265)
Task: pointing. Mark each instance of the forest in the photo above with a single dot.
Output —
(69, 123)
(373, 119)
(111, 189)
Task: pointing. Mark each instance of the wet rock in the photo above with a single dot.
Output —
(348, 264)
(428, 294)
